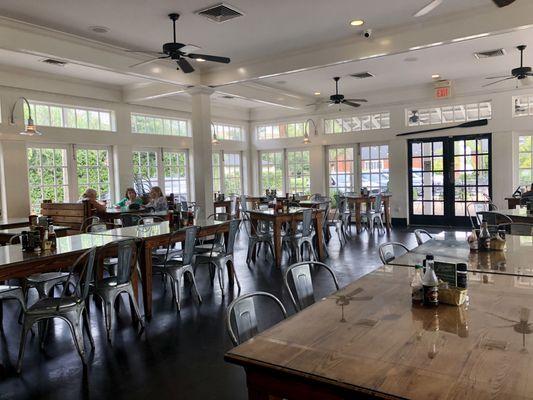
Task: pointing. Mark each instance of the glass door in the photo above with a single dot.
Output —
(445, 175)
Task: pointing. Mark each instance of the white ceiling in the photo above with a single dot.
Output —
(269, 26)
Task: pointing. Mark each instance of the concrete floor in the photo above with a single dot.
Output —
(179, 355)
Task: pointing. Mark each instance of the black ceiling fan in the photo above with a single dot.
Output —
(177, 52)
(338, 98)
(516, 73)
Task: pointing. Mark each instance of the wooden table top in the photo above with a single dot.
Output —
(18, 231)
(8, 223)
(272, 213)
(476, 351)
(516, 259)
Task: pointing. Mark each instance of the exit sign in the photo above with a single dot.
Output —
(443, 92)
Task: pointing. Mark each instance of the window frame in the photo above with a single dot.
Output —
(185, 152)
(222, 130)
(222, 170)
(516, 165)
(370, 173)
(441, 109)
(288, 167)
(354, 174)
(165, 120)
(262, 187)
(280, 130)
(346, 123)
(110, 168)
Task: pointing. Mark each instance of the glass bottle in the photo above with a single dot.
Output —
(417, 291)
(484, 237)
(430, 283)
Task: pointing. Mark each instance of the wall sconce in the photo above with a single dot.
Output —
(214, 140)
(307, 139)
(30, 128)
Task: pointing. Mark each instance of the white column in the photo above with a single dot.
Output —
(201, 171)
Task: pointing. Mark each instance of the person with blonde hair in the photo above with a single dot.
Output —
(158, 200)
(91, 195)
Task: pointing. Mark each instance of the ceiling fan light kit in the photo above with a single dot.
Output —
(519, 73)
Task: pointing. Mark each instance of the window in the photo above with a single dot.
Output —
(75, 117)
(357, 123)
(154, 125)
(448, 114)
(341, 170)
(93, 171)
(176, 173)
(375, 167)
(282, 130)
(525, 160)
(145, 169)
(299, 173)
(227, 132)
(47, 176)
(271, 170)
(522, 106)
(227, 176)
(217, 178)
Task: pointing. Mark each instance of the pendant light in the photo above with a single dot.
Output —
(307, 139)
(30, 128)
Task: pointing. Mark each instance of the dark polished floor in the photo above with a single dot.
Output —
(179, 355)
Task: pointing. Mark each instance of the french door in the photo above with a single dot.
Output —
(445, 175)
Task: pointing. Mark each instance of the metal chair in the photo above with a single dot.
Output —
(473, 211)
(69, 308)
(110, 288)
(15, 239)
(339, 221)
(96, 227)
(300, 278)
(128, 219)
(256, 238)
(88, 221)
(303, 237)
(243, 313)
(374, 214)
(206, 244)
(175, 268)
(221, 258)
(9, 292)
(422, 236)
(494, 218)
(390, 250)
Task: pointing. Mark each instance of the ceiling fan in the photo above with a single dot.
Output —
(435, 3)
(338, 98)
(178, 51)
(519, 73)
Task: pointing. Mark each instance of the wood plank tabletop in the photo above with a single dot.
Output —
(388, 347)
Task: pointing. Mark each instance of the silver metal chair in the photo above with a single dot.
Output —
(300, 278)
(373, 214)
(220, 258)
(494, 218)
(69, 308)
(96, 227)
(242, 313)
(206, 244)
(303, 237)
(88, 221)
(390, 250)
(473, 211)
(339, 221)
(256, 238)
(15, 239)
(128, 219)
(175, 268)
(9, 292)
(110, 288)
(422, 236)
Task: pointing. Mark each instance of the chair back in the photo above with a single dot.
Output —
(494, 218)
(243, 204)
(188, 247)
(242, 314)
(96, 227)
(390, 250)
(299, 277)
(219, 216)
(422, 236)
(15, 239)
(71, 215)
(88, 222)
(184, 206)
(307, 219)
(378, 203)
(473, 211)
(85, 264)
(128, 219)
(234, 204)
(233, 229)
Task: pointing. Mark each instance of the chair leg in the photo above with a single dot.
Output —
(109, 313)
(176, 284)
(74, 323)
(220, 278)
(193, 280)
(134, 306)
(87, 326)
(232, 267)
(24, 333)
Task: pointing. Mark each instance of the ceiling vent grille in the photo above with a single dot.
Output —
(362, 75)
(51, 61)
(221, 12)
(489, 54)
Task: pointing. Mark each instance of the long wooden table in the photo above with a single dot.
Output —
(293, 217)
(516, 259)
(389, 349)
(9, 223)
(355, 202)
(154, 236)
(7, 234)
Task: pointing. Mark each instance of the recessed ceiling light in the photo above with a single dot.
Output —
(435, 76)
(357, 22)
(317, 93)
(199, 59)
(99, 29)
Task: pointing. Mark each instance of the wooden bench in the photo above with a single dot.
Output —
(71, 215)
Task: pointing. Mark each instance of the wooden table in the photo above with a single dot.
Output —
(154, 236)
(293, 216)
(313, 203)
(111, 214)
(518, 215)
(388, 348)
(7, 234)
(9, 223)
(355, 202)
(513, 202)
(516, 259)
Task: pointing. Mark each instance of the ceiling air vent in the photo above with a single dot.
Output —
(362, 75)
(489, 54)
(51, 61)
(221, 12)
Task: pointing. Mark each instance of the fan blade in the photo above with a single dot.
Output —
(207, 57)
(185, 66)
(357, 100)
(148, 61)
(190, 47)
(498, 77)
(331, 104)
(502, 80)
(351, 104)
(503, 3)
(156, 53)
(428, 8)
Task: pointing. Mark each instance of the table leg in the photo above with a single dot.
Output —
(358, 216)
(319, 232)
(277, 242)
(145, 263)
(388, 220)
(253, 229)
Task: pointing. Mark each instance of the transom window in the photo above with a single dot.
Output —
(357, 123)
(47, 176)
(298, 172)
(175, 165)
(341, 170)
(63, 116)
(522, 106)
(525, 160)
(272, 170)
(154, 125)
(281, 130)
(227, 132)
(448, 114)
(93, 171)
(375, 167)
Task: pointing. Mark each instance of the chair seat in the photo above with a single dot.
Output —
(175, 262)
(110, 261)
(211, 256)
(204, 248)
(47, 277)
(8, 288)
(48, 304)
(108, 283)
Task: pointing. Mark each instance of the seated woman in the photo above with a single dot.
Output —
(130, 198)
(158, 200)
(90, 195)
